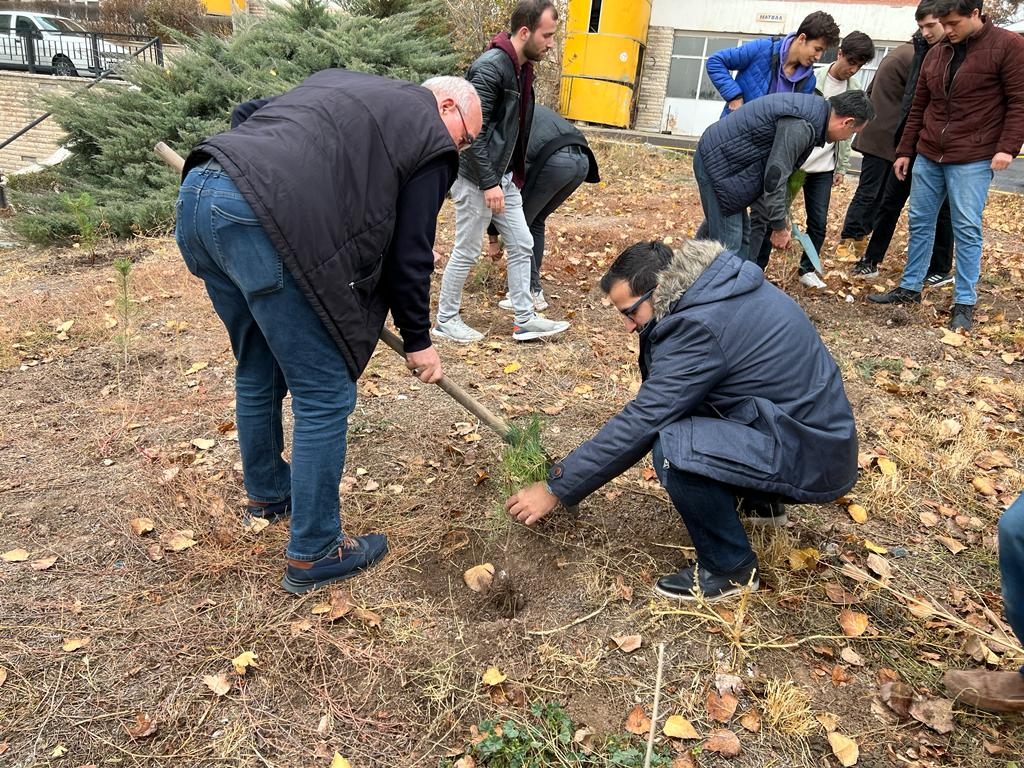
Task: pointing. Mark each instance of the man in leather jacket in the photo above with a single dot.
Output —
(492, 172)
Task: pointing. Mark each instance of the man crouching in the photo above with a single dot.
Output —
(741, 405)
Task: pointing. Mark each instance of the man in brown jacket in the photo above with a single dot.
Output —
(966, 122)
(876, 206)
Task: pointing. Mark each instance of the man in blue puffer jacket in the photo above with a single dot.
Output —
(773, 64)
(740, 402)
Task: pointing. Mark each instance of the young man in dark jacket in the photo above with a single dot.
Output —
(876, 206)
(745, 159)
(772, 64)
(966, 123)
(740, 401)
(492, 172)
(558, 160)
(308, 222)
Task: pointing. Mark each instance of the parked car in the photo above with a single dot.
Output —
(42, 42)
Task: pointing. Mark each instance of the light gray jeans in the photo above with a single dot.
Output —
(471, 220)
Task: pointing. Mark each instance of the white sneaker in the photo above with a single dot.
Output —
(539, 302)
(455, 330)
(811, 280)
(538, 327)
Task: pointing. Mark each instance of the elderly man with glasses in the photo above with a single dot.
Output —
(741, 406)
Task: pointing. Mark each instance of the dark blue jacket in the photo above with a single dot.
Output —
(739, 389)
(735, 150)
(752, 63)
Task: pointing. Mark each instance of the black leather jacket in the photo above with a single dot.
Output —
(494, 76)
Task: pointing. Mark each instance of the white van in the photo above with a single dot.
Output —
(58, 45)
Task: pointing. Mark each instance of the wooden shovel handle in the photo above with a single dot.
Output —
(169, 156)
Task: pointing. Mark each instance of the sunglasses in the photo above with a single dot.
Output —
(632, 308)
(467, 137)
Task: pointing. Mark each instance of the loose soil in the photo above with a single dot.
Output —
(110, 654)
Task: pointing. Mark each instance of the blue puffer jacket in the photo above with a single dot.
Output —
(739, 388)
(752, 63)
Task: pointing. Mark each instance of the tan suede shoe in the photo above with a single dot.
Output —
(991, 691)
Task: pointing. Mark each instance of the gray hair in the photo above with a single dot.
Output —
(460, 90)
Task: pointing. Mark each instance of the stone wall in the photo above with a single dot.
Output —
(654, 80)
(21, 101)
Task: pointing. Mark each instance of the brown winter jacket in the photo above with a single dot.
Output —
(886, 92)
(981, 113)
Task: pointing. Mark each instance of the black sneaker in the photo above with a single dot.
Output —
(963, 317)
(897, 295)
(354, 555)
(271, 511)
(938, 279)
(763, 514)
(864, 269)
(680, 586)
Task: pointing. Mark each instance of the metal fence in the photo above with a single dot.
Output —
(76, 54)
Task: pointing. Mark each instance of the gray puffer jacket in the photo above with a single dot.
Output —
(739, 388)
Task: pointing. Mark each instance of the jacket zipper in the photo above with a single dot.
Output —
(949, 90)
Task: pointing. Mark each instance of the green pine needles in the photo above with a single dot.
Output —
(524, 461)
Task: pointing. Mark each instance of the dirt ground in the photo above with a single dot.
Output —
(130, 592)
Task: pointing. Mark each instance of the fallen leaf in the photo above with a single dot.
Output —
(74, 643)
(858, 513)
(466, 761)
(479, 577)
(683, 761)
(838, 595)
(219, 683)
(850, 656)
(297, 627)
(338, 605)
(155, 552)
(879, 565)
(144, 726)
(368, 617)
(937, 714)
(853, 623)
(493, 676)
(141, 525)
(627, 643)
(15, 556)
(854, 572)
(952, 338)
(898, 697)
(204, 443)
(678, 727)
(43, 564)
(844, 748)
(951, 544)
(920, 609)
(984, 486)
(721, 707)
(950, 428)
(65, 326)
(804, 559)
(929, 519)
(878, 549)
(3, 676)
(252, 524)
(243, 661)
(751, 721)
(724, 742)
(177, 541)
(828, 721)
(196, 368)
(59, 751)
(340, 762)
(512, 367)
(886, 465)
(637, 722)
(371, 485)
(993, 460)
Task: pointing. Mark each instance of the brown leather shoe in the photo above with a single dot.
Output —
(991, 691)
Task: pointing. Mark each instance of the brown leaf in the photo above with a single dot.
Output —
(141, 525)
(844, 748)
(879, 565)
(18, 555)
(952, 338)
(637, 722)
(951, 544)
(804, 559)
(850, 656)
(178, 541)
(43, 563)
(368, 617)
(993, 460)
(338, 605)
(853, 623)
(297, 627)
(838, 595)
(73, 644)
(751, 721)
(937, 714)
(3, 677)
(678, 727)
(144, 726)
(828, 721)
(898, 697)
(219, 684)
(479, 577)
(984, 486)
(155, 552)
(684, 761)
(627, 643)
(721, 707)
(929, 519)
(724, 742)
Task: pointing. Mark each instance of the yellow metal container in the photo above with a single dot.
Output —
(224, 7)
(602, 58)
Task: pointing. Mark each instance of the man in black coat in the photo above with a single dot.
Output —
(308, 222)
(740, 404)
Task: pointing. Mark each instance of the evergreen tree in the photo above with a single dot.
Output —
(112, 129)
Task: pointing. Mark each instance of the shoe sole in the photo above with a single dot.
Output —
(690, 598)
(509, 308)
(531, 335)
(772, 521)
(900, 301)
(441, 335)
(947, 281)
(302, 587)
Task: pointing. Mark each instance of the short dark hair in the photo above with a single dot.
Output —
(820, 26)
(959, 7)
(527, 14)
(853, 104)
(925, 8)
(639, 266)
(858, 48)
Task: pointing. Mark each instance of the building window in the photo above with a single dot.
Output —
(595, 16)
(687, 77)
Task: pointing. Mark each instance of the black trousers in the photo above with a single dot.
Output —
(860, 215)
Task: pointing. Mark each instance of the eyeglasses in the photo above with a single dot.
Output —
(635, 306)
(467, 137)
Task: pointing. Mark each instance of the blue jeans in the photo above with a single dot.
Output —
(966, 185)
(1011, 565)
(708, 509)
(732, 231)
(280, 345)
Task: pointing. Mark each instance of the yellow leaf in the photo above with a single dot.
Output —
(141, 525)
(18, 555)
(340, 762)
(845, 749)
(951, 544)
(479, 577)
(177, 541)
(983, 486)
(219, 684)
(204, 443)
(888, 466)
(512, 367)
(870, 546)
(854, 623)
(952, 338)
(678, 727)
(243, 661)
(3, 676)
(493, 677)
(74, 643)
(59, 751)
(858, 513)
(65, 326)
(804, 559)
(196, 368)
